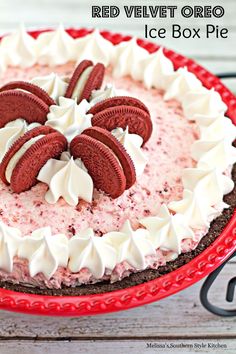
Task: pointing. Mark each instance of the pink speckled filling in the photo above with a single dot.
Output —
(168, 153)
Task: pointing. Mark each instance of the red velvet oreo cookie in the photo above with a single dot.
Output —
(83, 65)
(31, 88)
(109, 140)
(101, 163)
(26, 166)
(93, 82)
(138, 121)
(118, 101)
(16, 104)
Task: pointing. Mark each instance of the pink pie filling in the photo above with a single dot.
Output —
(168, 153)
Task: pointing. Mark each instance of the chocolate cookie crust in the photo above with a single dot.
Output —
(215, 230)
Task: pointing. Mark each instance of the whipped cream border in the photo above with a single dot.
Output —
(164, 231)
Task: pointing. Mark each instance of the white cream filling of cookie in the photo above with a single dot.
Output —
(199, 104)
(81, 82)
(18, 155)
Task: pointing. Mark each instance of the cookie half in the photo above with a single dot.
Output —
(118, 101)
(94, 81)
(16, 104)
(30, 88)
(106, 160)
(86, 78)
(76, 76)
(138, 121)
(118, 149)
(23, 161)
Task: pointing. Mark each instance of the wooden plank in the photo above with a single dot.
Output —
(118, 347)
(168, 318)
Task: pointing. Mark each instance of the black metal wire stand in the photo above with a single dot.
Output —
(212, 277)
(229, 75)
(229, 292)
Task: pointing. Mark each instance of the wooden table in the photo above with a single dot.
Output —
(179, 320)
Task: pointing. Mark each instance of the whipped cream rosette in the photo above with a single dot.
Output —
(88, 251)
(66, 178)
(132, 246)
(94, 47)
(181, 82)
(68, 117)
(210, 184)
(216, 128)
(55, 47)
(205, 103)
(53, 84)
(214, 153)
(155, 70)
(166, 230)
(126, 58)
(44, 251)
(132, 143)
(19, 49)
(99, 95)
(10, 239)
(196, 213)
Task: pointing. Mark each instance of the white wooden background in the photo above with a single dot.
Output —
(176, 320)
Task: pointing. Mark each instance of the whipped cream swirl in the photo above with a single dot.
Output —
(210, 184)
(108, 91)
(55, 47)
(167, 231)
(126, 58)
(94, 47)
(68, 117)
(181, 82)
(44, 251)
(155, 70)
(19, 49)
(216, 128)
(92, 252)
(99, 95)
(203, 103)
(196, 213)
(10, 239)
(132, 144)
(132, 246)
(66, 178)
(53, 84)
(213, 153)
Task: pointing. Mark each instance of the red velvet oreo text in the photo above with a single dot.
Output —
(195, 14)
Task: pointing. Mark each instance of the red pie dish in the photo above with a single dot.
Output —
(117, 172)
